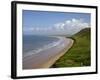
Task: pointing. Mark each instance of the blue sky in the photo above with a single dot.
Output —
(45, 19)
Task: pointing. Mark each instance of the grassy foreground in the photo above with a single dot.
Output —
(79, 54)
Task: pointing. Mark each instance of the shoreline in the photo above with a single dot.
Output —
(47, 58)
(50, 45)
(60, 54)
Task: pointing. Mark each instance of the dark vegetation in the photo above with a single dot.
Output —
(79, 54)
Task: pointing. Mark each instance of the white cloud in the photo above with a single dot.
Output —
(68, 27)
(37, 28)
(67, 22)
(71, 26)
(59, 26)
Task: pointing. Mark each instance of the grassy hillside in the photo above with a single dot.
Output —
(79, 54)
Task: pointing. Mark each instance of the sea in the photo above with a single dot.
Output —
(33, 44)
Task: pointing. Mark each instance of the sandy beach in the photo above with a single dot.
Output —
(48, 57)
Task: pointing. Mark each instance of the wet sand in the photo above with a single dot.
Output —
(47, 58)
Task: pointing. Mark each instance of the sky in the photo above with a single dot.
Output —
(54, 23)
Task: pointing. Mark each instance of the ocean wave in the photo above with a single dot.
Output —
(45, 47)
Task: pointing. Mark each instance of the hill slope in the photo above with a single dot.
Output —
(79, 54)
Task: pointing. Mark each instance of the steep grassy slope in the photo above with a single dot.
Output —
(79, 54)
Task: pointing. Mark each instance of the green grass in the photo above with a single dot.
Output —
(79, 54)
